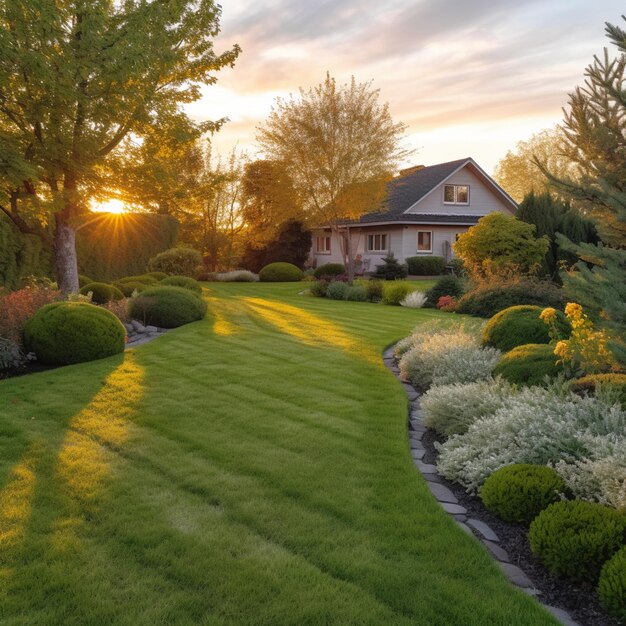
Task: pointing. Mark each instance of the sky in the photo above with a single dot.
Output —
(468, 77)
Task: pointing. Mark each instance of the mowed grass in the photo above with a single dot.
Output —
(252, 468)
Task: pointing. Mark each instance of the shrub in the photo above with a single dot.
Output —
(119, 308)
(11, 355)
(356, 293)
(395, 292)
(446, 303)
(176, 261)
(337, 290)
(452, 356)
(519, 492)
(488, 299)
(280, 273)
(318, 288)
(236, 276)
(72, 332)
(414, 300)
(519, 325)
(146, 279)
(390, 269)
(446, 286)
(426, 265)
(84, 280)
(159, 276)
(451, 409)
(612, 585)
(129, 287)
(374, 290)
(167, 307)
(101, 293)
(206, 276)
(574, 539)
(592, 382)
(537, 426)
(17, 307)
(329, 269)
(528, 364)
(184, 282)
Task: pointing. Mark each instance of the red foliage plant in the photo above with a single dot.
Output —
(17, 307)
(446, 303)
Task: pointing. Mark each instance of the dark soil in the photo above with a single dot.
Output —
(578, 599)
(31, 367)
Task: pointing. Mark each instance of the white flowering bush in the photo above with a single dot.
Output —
(418, 335)
(537, 426)
(451, 409)
(414, 300)
(449, 356)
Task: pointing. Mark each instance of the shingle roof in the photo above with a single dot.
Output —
(419, 218)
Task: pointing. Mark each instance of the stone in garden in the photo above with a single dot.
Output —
(497, 551)
(563, 616)
(138, 326)
(454, 509)
(515, 575)
(483, 529)
(442, 493)
(152, 329)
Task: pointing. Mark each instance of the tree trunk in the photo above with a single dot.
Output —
(65, 255)
(350, 260)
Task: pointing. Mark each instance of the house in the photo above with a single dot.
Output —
(426, 210)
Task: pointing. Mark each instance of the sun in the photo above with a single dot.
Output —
(110, 206)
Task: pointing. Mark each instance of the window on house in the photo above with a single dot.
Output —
(424, 241)
(322, 245)
(377, 243)
(456, 194)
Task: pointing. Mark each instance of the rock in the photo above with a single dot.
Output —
(416, 444)
(454, 509)
(152, 329)
(483, 529)
(426, 468)
(129, 328)
(497, 551)
(417, 454)
(442, 493)
(138, 326)
(563, 616)
(516, 575)
(466, 528)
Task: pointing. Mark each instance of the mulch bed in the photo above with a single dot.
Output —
(578, 599)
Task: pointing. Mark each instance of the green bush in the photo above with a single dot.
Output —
(329, 269)
(374, 289)
(612, 585)
(574, 539)
(84, 280)
(337, 290)
(280, 273)
(319, 288)
(395, 292)
(72, 332)
(128, 288)
(426, 265)
(158, 276)
(518, 493)
(102, 292)
(184, 282)
(591, 382)
(167, 307)
(176, 262)
(528, 364)
(357, 293)
(145, 279)
(489, 299)
(446, 286)
(519, 325)
(390, 269)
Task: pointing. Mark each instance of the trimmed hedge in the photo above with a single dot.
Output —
(446, 286)
(280, 273)
(146, 279)
(157, 275)
(168, 307)
(612, 585)
(518, 493)
(129, 287)
(73, 332)
(102, 292)
(176, 262)
(574, 539)
(329, 269)
(528, 364)
(184, 282)
(519, 325)
(84, 280)
(426, 265)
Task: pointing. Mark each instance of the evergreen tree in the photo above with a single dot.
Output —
(390, 269)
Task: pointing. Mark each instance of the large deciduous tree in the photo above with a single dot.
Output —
(78, 78)
(339, 145)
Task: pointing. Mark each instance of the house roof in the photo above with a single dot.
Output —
(418, 218)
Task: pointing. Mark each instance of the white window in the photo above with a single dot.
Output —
(322, 245)
(456, 194)
(424, 241)
(377, 243)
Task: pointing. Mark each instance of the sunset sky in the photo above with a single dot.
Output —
(469, 77)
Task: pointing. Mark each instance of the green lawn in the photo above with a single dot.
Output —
(252, 468)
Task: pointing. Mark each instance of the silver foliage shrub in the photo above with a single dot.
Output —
(414, 300)
(237, 276)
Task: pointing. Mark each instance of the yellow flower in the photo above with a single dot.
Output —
(573, 310)
(561, 349)
(548, 315)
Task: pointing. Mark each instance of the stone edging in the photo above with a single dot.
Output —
(139, 334)
(449, 502)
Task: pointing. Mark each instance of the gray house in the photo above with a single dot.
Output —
(426, 210)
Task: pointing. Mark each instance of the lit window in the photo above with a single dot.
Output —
(456, 194)
(424, 241)
(322, 245)
(377, 243)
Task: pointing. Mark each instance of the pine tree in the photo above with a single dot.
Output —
(390, 269)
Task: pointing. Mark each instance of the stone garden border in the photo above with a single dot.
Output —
(139, 334)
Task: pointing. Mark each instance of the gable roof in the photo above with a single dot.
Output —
(407, 190)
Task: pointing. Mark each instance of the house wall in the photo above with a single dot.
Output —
(483, 198)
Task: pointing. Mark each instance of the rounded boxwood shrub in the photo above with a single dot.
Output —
(518, 493)
(176, 262)
(184, 282)
(146, 279)
(72, 332)
(591, 382)
(280, 272)
(574, 539)
(128, 288)
(329, 269)
(101, 293)
(446, 286)
(518, 325)
(426, 265)
(337, 290)
(612, 585)
(167, 307)
(528, 364)
(159, 276)
(84, 280)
